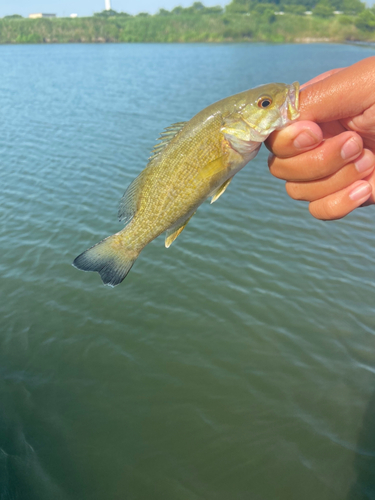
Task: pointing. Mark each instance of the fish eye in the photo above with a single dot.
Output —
(264, 102)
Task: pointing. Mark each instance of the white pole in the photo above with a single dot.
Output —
(107, 4)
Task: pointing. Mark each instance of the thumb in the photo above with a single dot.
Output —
(322, 76)
(342, 94)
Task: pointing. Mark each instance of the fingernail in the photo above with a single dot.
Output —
(361, 190)
(364, 163)
(305, 140)
(350, 149)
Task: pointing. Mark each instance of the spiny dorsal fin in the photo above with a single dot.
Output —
(172, 233)
(165, 138)
(130, 201)
(216, 194)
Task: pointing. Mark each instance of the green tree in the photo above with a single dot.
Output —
(345, 20)
(106, 13)
(163, 12)
(307, 4)
(269, 16)
(198, 6)
(366, 20)
(239, 6)
(178, 10)
(216, 9)
(323, 9)
(352, 7)
(261, 8)
(299, 10)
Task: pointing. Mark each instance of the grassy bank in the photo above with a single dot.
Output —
(227, 27)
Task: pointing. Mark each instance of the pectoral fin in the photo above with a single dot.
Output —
(220, 190)
(213, 168)
(173, 232)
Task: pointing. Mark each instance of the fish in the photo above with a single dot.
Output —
(192, 161)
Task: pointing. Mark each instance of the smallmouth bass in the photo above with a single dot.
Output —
(193, 161)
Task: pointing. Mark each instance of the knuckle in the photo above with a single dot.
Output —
(271, 160)
(323, 164)
(269, 142)
(274, 165)
(294, 190)
(325, 209)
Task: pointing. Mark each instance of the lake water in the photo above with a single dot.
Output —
(239, 363)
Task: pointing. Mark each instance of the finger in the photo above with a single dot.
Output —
(336, 206)
(320, 162)
(371, 180)
(364, 125)
(333, 128)
(320, 77)
(345, 93)
(294, 139)
(345, 176)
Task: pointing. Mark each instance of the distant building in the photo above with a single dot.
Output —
(107, 4)
(308, 13)
(73, 16)
(39, 15)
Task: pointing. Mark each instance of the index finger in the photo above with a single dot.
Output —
(298, 137)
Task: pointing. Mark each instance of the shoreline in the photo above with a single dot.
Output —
(289, 28)
(298, 41)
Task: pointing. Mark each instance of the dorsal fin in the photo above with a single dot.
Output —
(165, 138)
(130, 200)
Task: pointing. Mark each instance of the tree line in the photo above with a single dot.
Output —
(241, 20)
(321, 8)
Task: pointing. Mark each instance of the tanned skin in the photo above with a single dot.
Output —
(327, 157)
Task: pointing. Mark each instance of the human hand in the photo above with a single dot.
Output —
(328, 156)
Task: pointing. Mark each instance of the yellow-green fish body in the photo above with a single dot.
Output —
(194, 160)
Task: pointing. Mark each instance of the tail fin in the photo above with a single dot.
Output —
(109, 258)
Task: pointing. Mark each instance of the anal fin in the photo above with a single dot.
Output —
(220, 190)
(172, 233)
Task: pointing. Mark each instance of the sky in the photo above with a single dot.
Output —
(88, 7)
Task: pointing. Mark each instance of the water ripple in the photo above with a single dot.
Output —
(244, 352)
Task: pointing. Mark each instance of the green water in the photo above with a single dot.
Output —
(239, 363)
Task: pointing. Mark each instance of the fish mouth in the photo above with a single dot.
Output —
(292, 102)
